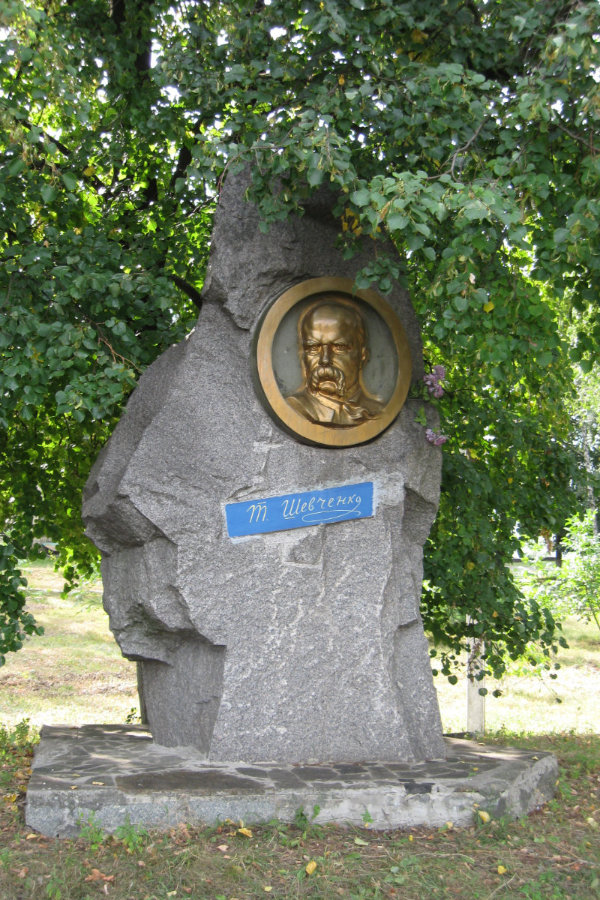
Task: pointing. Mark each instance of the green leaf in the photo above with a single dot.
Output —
(396, 222)
(16, 167)
(561, 235)
(361, 197)
(48, 193)
(69, 181)
(420, 416)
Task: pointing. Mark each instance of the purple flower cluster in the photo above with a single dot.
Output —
(433, 381)
(434, 438)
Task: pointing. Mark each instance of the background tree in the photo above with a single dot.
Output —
(466, 130)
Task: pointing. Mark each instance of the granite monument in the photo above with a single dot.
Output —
(295, 634)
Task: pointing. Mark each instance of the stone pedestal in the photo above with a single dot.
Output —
(294, 646)
(116, 774)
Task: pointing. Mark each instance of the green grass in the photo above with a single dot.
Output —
(553, 853)
(533, 701)
(75, 674)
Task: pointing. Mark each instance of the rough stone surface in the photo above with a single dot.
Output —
(295, 646)
(115, 774)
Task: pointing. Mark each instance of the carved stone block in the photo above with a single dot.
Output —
(293, 646)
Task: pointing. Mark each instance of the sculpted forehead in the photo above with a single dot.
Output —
(332, 317)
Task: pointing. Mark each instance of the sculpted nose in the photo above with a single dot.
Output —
(325, 354)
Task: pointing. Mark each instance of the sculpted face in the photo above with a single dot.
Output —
(333, 350)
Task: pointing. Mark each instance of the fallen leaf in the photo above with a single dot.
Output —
(502, 870)
(311, 866)
(180, 835)
(483, 815)
(223, 847)
(267, 889)
(245, 831)
(360, 842)
(97, 875)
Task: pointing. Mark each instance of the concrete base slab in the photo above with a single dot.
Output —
(111, 774)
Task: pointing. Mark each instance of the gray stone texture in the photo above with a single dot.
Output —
(298, 646)
(116, 774)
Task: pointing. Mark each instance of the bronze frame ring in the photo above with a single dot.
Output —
(268, 389)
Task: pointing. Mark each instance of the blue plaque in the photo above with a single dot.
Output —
(352, 501)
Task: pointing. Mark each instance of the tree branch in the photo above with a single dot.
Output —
(576, 137)
(466, 146)
(194, 295)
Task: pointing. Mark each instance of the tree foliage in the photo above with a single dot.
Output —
(466, 130)
(573, 588)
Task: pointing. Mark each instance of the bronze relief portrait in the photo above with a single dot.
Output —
(332, 366)
(332, 344)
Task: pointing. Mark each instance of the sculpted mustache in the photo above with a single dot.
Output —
(328, 373)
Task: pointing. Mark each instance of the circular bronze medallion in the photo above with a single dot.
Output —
(333, 365)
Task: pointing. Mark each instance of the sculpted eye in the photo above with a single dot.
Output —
(311, 347)
(341, 348)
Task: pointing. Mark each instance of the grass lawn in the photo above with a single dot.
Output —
(75, 674)
(533, 700)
